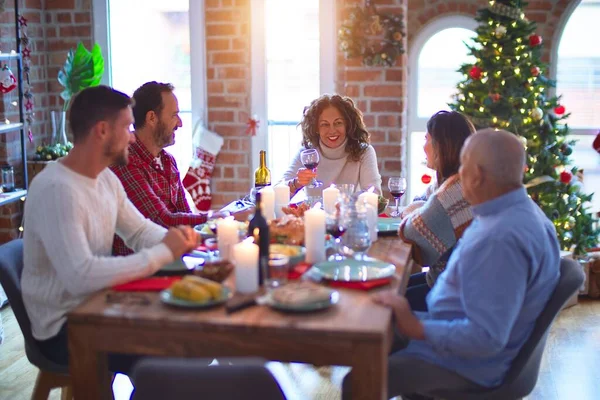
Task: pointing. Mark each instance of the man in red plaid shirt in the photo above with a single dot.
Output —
(151, 178)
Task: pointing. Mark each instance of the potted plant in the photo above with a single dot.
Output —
(82, 69)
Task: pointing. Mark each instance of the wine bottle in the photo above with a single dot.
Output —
(258, 228)
(262, 175)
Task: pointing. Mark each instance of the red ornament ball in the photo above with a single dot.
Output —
(475, 72)
(559, 110)
(535, 40)
(426, 179)
(495, 97)
(565, 177)
(535, 71)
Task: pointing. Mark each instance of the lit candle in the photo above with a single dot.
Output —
(370, 197)
(245, 259)
(268, 202)
(330, 198)
(282, 199)
(314, 234)
(227, 236)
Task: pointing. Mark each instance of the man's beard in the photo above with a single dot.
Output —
(119, 159)
(163, 136)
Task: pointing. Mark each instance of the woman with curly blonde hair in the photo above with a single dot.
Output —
(334, 127)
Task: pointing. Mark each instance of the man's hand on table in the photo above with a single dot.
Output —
(407, 323)
(180, 240)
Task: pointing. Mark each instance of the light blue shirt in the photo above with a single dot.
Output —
(483, 308)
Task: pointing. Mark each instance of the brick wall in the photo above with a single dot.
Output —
(380, 93)
(54, 26)
(228, 86)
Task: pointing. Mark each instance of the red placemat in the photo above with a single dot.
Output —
(153, 284)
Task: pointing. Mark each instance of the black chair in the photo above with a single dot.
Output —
(51, 375)
(187, 379)
(523, 373)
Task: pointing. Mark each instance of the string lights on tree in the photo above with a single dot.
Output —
(506, 88)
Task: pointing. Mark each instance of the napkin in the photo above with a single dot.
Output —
(153, 284)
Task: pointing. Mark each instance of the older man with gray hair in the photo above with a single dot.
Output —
(498, 280)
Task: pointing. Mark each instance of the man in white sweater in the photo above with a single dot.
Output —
(74, 208)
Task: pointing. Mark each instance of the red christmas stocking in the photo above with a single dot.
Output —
(197, 180)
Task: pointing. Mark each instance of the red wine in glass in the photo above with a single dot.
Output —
(397, 194)
(311, 165)
(336, 230)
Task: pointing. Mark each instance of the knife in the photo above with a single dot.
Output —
(240, 302)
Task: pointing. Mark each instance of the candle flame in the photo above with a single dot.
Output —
(317, 205)
(371, 189)
(249, 240)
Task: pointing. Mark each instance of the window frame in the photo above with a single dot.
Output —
(327, 68)
(101, 35)
(416, 123)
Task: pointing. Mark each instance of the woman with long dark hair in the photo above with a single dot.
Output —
(435, 227)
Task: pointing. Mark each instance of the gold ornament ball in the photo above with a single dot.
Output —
(397, 36)
(500, 31)
(571, 222)
(537, 114)
(344, 45)
(384, 56)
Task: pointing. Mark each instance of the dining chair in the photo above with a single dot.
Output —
(51, 375)
(522, 376)
(157, 378)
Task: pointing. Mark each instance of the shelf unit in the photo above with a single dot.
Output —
(15, 55)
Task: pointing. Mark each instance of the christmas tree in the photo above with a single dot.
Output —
(506, 88)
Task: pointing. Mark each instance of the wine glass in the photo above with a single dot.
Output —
(336, 227)
(310, 160)
(397, 186)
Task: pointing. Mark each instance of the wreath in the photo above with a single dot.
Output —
(360, 36)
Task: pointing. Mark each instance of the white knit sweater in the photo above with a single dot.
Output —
(70, 221)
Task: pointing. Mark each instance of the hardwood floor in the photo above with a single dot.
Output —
(569, 368)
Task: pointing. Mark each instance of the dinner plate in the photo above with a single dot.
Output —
(351, 270)
(187, 262)
(166, 296)
(299, 252)
(334, 297)
(388, 226)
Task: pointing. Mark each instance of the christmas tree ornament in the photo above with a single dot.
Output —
(495, 97)
(535, 40)
(571, 222)
(475, 72)
(505, 11)
(559, 110)
(555, 214)
(535, 71)
(8, 82)
(426, 179)
(537, 114)
(596, 143)
(565, 177)
(566, 149)
(500, 31)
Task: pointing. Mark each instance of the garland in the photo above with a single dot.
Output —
(364, 22)
(26, 58)
(506, 11)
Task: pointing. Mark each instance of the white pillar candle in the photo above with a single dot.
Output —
(371, 221)
(330, 198)
(245, 259)
(227, 236)
(314, 234)
(282, 199)
(370, 197)
(268, 202)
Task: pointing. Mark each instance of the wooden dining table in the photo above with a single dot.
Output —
(356, 332)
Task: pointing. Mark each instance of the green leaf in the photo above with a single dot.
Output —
(82, 69)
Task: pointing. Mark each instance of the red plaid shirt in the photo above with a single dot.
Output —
(157, 192)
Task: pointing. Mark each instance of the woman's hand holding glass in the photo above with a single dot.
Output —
(305, 176)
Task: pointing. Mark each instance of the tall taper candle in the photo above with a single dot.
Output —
(314, 234)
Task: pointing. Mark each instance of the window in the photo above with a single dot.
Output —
(435, 56)
(151, 40)
(293, 63)
(578, 81)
